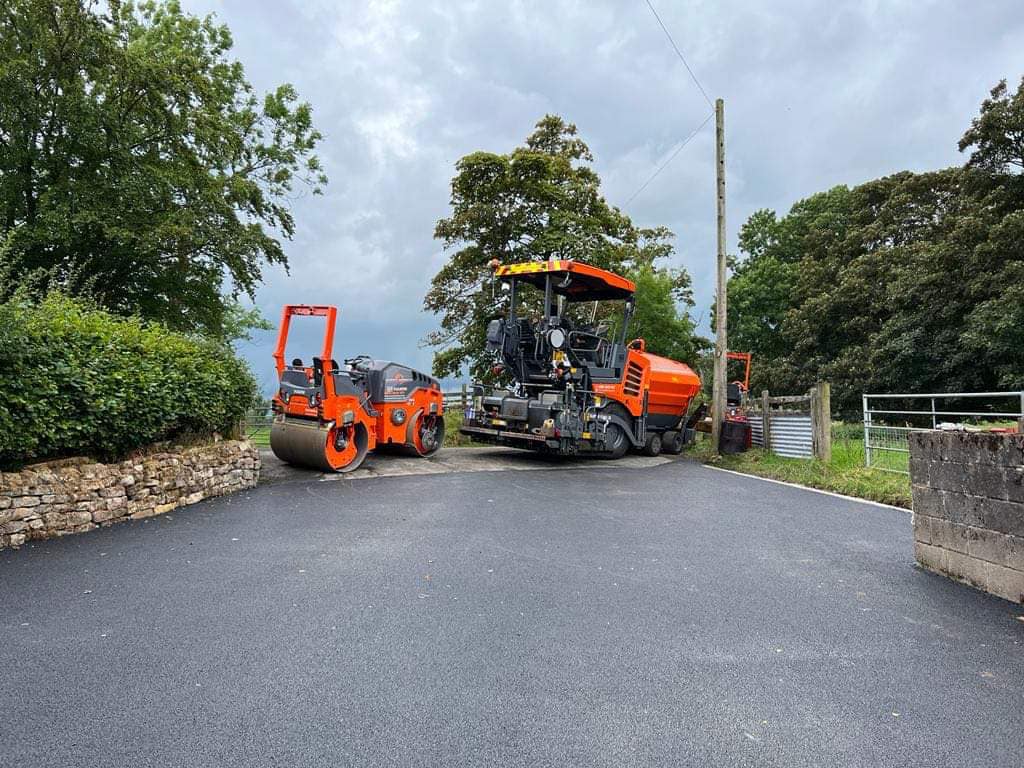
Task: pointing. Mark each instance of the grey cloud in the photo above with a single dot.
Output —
(817, 94)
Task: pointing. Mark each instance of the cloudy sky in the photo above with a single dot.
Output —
(816, 94)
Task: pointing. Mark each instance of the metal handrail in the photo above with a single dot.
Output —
(952, 413)
(869, 414)
(952, 394)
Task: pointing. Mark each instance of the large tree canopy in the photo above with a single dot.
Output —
(543, 201)
(912, 282)
(137, 164)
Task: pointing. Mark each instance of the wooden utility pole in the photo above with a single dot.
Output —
(721, 341)
(821, 421)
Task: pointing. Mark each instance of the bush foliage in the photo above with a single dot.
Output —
(909, 283)
(79, 381)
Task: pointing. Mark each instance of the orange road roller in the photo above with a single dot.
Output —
(328, 417)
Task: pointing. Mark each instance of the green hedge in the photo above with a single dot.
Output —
(78, 381)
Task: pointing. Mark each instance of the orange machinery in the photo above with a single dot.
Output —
(328, 416)
(576, 387)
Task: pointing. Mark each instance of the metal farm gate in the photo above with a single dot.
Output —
(889, 418)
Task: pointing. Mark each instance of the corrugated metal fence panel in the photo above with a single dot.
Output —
(756, 429)
(792, 435)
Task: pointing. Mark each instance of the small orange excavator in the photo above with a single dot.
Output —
(329, 417)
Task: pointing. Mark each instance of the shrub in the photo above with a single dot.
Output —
(79, 381)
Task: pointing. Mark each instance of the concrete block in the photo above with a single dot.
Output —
(946, 476)
(1014, 483)
(967, 569)
(949, 535)
(931, 557)
(986, 480)
(922, 529)
(993, 547)
(960, 508)
(1002, 450)
(958, 448)
(1007, 583)
(924, 445)
(918, 469)
(927, 501)
(1002, 516)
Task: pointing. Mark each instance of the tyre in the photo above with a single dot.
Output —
(616, 441)
(672, 443)
(652, 445)
(428, 434)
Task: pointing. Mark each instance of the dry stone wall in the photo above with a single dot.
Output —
(76, 495)
(968, 490)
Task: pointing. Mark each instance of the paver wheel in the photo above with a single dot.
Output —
(616, 441)
(672, 443)
(652, 446)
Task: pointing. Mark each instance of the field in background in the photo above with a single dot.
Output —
(845, 473)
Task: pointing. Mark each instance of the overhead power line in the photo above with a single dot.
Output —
(679, 53)
(703, 93)
(672, 157)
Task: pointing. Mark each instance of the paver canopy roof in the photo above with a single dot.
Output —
(578, 282)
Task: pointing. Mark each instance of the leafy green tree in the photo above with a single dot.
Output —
(997, 133)
(137, 164)
(541, 201)
(912, 282)
(764, 280)
(658, 319)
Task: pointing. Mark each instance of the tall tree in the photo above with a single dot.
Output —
(137, 164)
(912, 282)
(541, 201)
(997, 133)
(667, 329)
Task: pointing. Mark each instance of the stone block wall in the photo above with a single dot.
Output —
(76, 495)
(968, 490)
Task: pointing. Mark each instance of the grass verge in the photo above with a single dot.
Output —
(845, 473)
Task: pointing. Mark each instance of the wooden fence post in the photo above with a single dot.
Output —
(821, 420)
(766, 420)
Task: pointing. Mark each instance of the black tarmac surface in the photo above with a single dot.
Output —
(672, 615)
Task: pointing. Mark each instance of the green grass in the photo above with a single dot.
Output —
(259, 436)
(845, 473)
(452, 438)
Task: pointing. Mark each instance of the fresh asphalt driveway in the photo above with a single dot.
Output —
(607, 616)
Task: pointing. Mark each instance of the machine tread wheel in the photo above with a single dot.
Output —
(618, 440)
(652, 445)
(428, 433)
(672, 443)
